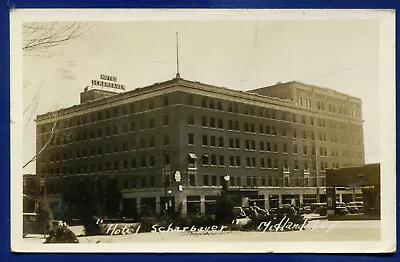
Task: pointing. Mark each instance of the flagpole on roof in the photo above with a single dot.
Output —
(177, 56)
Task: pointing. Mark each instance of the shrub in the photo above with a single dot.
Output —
(44, 218)
(92, 226)
(224, 212)
(61, 234)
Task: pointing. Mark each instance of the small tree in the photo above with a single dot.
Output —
(44, 218)
(224, 212)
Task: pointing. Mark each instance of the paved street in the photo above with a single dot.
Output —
(316, 230)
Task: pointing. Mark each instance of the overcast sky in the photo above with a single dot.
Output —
(337, 54)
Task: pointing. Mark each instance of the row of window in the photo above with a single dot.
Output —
(213, 122)
(212, 103)
(254, 181)
(113, 112)
(116, 165)
(251, 162)
(249, 144)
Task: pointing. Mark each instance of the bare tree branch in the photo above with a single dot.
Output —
(42, 36)
(52, 132)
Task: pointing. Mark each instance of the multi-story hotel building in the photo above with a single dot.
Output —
(179, 139)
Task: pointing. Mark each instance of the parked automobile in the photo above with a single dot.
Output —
(319, 208)
(240, 216)
(352, 208)
(29, 223)
(360, 206)
(341, 208)
(250, 212)
(355, 207)
(260, 211)
(239, 212)
(305, 209)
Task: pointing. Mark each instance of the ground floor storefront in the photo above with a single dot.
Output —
(202, 200)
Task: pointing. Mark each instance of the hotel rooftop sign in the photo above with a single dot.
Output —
(108, 82)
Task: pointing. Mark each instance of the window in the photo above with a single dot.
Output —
(204, 121)
(166, 140)
(303, 119)
(133, 163)
(284, 148)
(284, 132)
(204, 102)
(261, 129)
(133, 126)
(143, 161)
(230, 125)
(206, 181)
(262, 162)
(212, 103)
(213, 160)
(230, 107)
(269, 163)
(151, 104)
(305, 150)
(231, 143)
(166, 120)
(237, 161)
(165, 101)
(221, 141)
(221, 160)
(205, 159)
(237, 143)
(267, 130)
(247, 144)
(213, 180)
(252, 129)
(295, 149)
(236, 125)
(142, 143)
(268, 146)
(152, 161)
(191, 139)
(220, 123)
(151, 141)
(190, 119)
(190, 99)
(204, 140)
(274, 130)
(248, 162)
(167, 159)
(219, 105)
(231, 161)
(253, 145)
(294, 133)
(246, 127)
(125, 145)
(212, 141)
(142, 124)
(262, 146)
(151, 122)
(212, 122)
(116, 165)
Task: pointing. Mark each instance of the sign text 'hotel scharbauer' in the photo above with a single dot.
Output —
(112, 84)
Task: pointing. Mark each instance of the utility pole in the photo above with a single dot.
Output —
(164, 152)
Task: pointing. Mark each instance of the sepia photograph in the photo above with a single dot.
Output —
(203, 131)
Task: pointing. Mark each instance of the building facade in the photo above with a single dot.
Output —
(173, 142)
